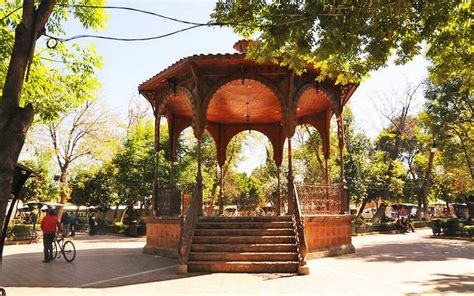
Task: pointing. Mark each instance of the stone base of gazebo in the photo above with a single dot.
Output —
(326, 235)
(162, 236)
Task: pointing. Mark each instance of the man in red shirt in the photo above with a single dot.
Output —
(49, 226)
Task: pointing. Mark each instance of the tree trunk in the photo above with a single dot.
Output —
(14, 120)
(362, 207)
(425, 186)
(63, 191)
(379, 214)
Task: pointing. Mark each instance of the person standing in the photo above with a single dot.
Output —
(73, 224)
(65, 221)
(49, 227)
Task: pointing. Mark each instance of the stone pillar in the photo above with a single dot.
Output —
(291, 208)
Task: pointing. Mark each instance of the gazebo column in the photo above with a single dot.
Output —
(278, 192)
(199, 175)
(291, 208)
(157, 165)
(344, 198)
(221, 190)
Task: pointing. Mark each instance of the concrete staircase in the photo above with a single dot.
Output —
(244, 244)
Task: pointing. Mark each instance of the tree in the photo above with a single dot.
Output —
(347, 39)
(79, 134)
(450, 117)
(15, 116)
(98, 188)
(356, 162)
(42, 188)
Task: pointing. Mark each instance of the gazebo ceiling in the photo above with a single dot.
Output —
(312, 102)
(250, 101)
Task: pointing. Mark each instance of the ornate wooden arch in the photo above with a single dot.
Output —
(328, 92)
(223, 134)
(250, 76)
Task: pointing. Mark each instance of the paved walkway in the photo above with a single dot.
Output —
(395, 264)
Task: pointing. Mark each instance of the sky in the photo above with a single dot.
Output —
(127, 64)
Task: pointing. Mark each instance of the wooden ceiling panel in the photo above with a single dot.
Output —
(229, 103)
(312, 102)
(180, 105)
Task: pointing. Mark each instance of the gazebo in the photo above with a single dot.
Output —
(226, 94)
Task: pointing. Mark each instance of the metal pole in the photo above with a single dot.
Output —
(221, 191)
(199, 176)
(291, 208)
(5, 225)
(278, 205)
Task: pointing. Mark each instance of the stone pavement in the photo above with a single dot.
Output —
(388, 264)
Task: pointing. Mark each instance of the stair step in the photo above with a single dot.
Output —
(244, 225)
(244, 256)
(244, 232)
(280, 239)
(244, 266)
(245, 219)
(243, 248)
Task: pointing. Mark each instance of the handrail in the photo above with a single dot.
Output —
(300, 238)
(190, 220)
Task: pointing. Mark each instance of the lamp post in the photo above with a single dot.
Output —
(427, 181)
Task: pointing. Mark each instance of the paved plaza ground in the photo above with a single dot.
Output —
(384, 264)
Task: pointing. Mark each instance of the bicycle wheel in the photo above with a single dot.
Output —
(55, 250)
(69, 251)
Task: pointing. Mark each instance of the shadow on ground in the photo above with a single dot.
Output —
(448, 283)
(426, 250)
(93, 268)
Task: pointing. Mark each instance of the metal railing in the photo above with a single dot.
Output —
(320, 199)
(299, 228)
(190, 219)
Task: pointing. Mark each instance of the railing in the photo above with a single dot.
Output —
(168, 199)
(190, 219)
(320, 199)
(299, 227)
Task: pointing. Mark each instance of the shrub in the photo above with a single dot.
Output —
(452, 226)
(21, 232)
(120, 227)
(383, 227)
(468, 230)
(437, 225)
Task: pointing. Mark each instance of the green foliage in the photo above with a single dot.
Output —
(452, 226)
(250, 192)
(94, 188)
(468, 230)
(42, 188)
(134, 164)
(356, 160)
(347, 39)
(56, 88)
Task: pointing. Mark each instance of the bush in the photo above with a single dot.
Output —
(383, 227)
(468, 230)
(437, 225)
(120, 228)
(452, 226)
(21, 232)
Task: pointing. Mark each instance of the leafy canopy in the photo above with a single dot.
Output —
(346, 39)
(60, 79)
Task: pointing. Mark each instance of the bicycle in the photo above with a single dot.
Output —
(66, 247)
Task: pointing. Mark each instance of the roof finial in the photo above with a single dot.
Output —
(241, 45)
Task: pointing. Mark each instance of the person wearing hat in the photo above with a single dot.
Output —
(49, 227)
